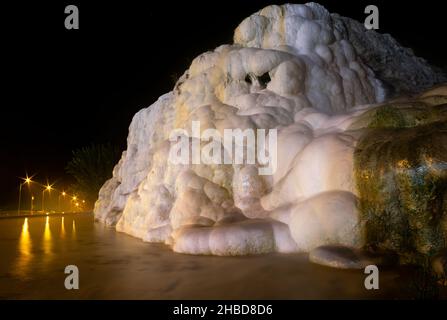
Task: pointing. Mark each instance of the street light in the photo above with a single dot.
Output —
(47, 188)
(59, 200)
(27, 181)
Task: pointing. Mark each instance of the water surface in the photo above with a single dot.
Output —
(35, 251)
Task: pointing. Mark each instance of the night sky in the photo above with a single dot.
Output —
(63, 89)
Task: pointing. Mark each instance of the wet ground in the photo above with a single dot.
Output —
(35, 251)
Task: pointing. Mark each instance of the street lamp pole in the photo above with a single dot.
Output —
(59, 200)
(47, 188)
(20, 198)
(74, 198)
(43, 198)
(32, 204)
(27, 181)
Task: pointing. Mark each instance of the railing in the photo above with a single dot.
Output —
(28, 213)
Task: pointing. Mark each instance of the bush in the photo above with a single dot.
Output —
(91, 167)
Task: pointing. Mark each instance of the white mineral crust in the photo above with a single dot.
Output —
(293, 68)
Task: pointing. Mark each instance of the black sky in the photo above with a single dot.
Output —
(65, 89)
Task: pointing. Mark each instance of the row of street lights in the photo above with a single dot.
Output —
(46, 188)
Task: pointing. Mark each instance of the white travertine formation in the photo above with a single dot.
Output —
(292, 68)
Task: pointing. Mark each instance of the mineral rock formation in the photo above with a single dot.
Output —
(346, 258)
(319, 79)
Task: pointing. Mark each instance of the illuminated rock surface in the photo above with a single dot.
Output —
(439, 265)
(347, 258)
(319, 79)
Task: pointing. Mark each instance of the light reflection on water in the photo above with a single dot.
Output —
(25, 255)
(47, 237)
(38, 240)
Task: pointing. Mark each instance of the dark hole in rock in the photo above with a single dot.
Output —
(248, 79)
(264, 79)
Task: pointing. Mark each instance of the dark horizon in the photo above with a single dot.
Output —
(68, 89)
